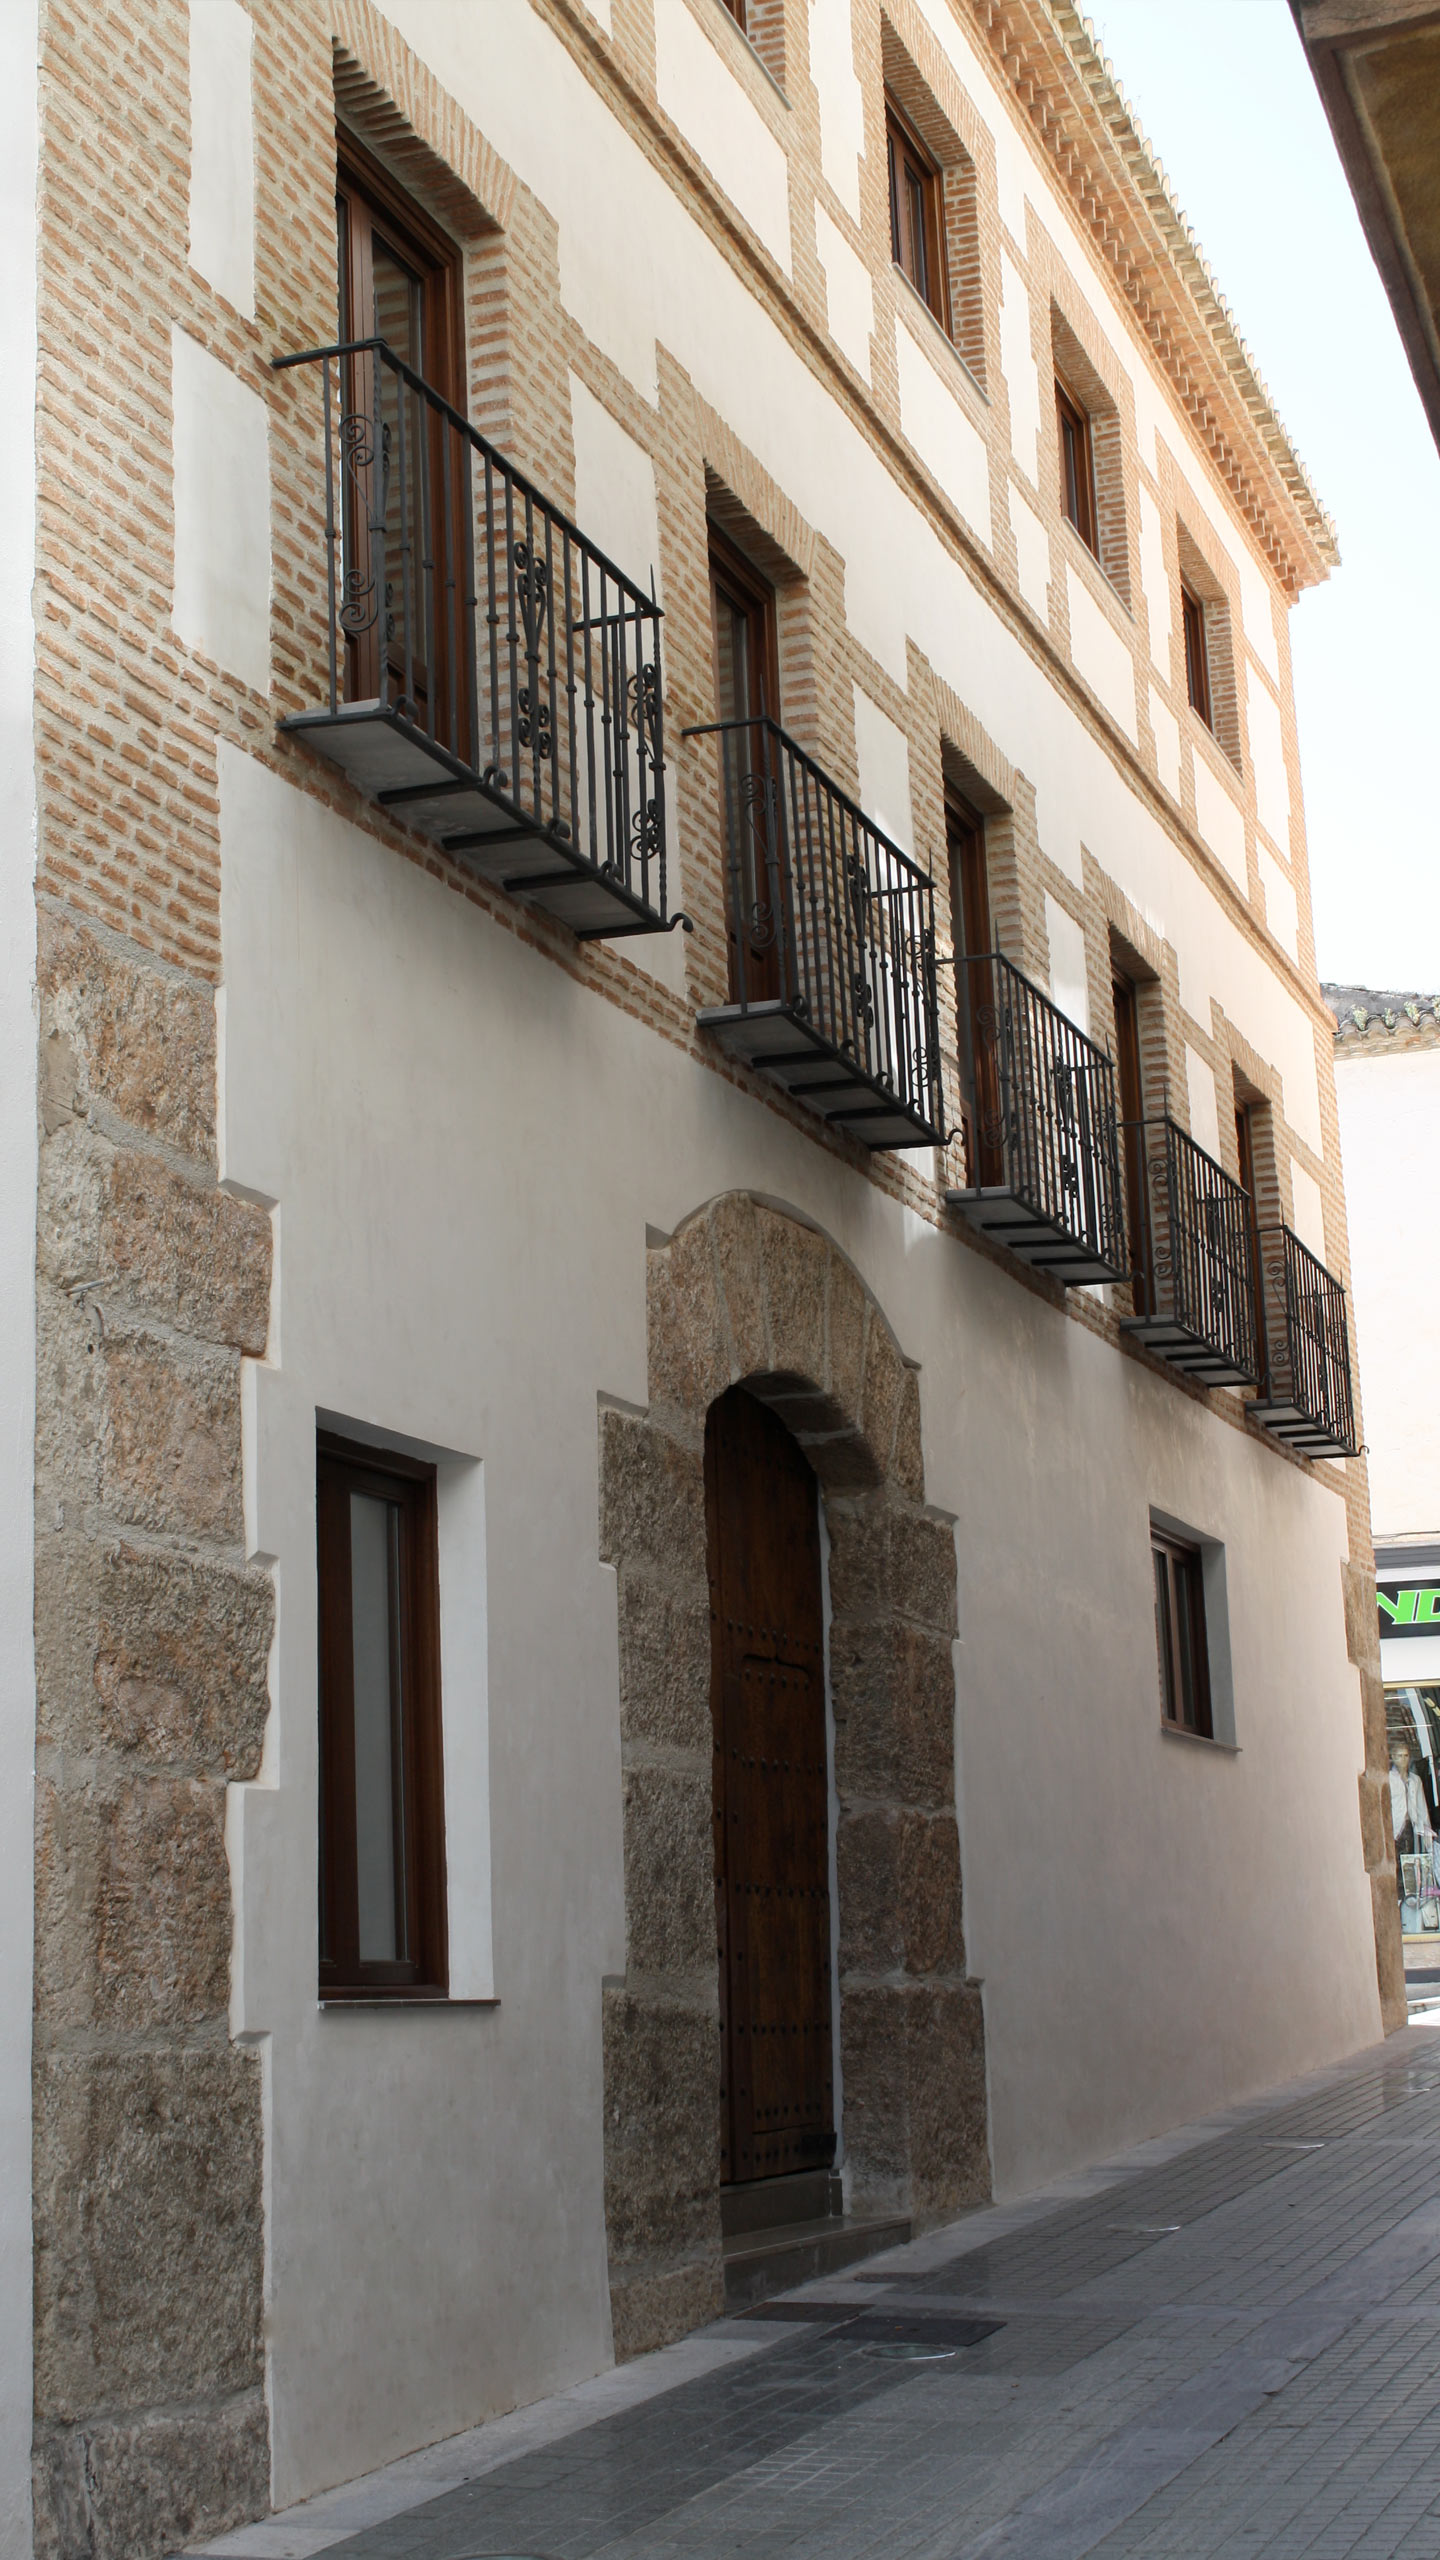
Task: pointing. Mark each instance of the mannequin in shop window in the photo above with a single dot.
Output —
(1414, 1835)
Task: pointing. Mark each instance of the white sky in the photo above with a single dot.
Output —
(1223, 93)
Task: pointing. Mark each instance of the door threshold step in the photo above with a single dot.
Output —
(758, 2263)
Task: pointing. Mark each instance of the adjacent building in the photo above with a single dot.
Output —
(1387, 1082)
(684, 1576)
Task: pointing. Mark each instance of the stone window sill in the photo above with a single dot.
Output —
(407, 2001)
(1207, 1741)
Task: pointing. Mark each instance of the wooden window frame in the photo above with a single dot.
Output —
(1130, 1095)
(747, 587)
(363, 185)
(343, 1467)
(737, 12)
(1197, 654)
(1077, 487)
(1181, 1640)
(920, 258)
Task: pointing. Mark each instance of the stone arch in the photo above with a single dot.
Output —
(747, 1292)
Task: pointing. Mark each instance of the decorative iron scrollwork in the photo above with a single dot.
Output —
(532, 588)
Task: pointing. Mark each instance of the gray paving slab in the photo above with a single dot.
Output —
(1225, 2343)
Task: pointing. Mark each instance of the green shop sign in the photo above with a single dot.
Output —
(1409, 1608)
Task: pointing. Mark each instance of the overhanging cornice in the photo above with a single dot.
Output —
(1120, 194)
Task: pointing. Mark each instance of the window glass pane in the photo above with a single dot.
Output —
(374, 1618)
(1163, 1642)
(1186, 1595)
(732, 656)
(915, 201)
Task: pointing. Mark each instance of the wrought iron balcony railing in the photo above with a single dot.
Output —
(492, 678)
(1307, 1400)
(1193, 1247)
(832, 944)
(1041, 1143)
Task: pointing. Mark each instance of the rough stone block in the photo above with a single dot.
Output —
(134, 2489)
(70, 1392)
(73, 1170)
(136, 1040)
(664, 1663)
(662, 2126)
(929, 1894)
(172, 1460)
(860, 1584)
(884, 1387)
(187, 1252)
(945, 2099)
(794, 1262)
(132, 1905)
(652, 1498)
(1389, 1950)
(1362, 1620)
(742, 1285)
(907, 1458)
(873, 2069)
(146, 2163)
(922, 1570)
(651, 2310)
(846, 1316)
(867, 1847)
(894, 1692)
(669, 1870)
(152, 1654)
(689, 1353)
(1375, 1834)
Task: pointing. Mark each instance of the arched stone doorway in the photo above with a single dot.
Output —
(748, 1294)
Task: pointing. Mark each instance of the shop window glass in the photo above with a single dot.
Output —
(1412, 1724)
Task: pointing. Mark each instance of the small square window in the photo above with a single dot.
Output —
(1197, 654)
(1183, 1655)
(916, 224)
(1077, 467)
(382, 1829)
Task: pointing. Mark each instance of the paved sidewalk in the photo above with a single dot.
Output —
(1225, 2344)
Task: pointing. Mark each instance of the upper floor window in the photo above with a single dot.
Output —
(382, 1822)
(399, 275)
(917, 236)
(1077, 466)
(1197, 655)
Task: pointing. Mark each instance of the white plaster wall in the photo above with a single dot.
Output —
(883, 758)
(615, 501)
(1282, 911)
(18, 147)
(1017, 363)
(1220, 819)
(468, 1149)
(1204, 1102)
(1167, 743)
(938, 428)
(1267, 755)
(222, 150)
(1389, 1115)
(1155, 579)
(696, 85)
(1032, 553)
(841, 99)
(1069, 983)
(221, 600)
(535, 104)
(1100, 653)
(849, 295)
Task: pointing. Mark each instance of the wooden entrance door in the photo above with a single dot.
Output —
(771, 1795)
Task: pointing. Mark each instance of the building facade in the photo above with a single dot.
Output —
(674, 1250)
(1387, 1083)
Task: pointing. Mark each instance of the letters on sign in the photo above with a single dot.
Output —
(1409, 1608)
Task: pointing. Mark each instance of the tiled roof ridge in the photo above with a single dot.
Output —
(1369, 1009)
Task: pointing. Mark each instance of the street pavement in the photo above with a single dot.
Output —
(1225, 2346)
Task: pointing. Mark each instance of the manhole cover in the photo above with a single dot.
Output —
(910, 2351)
(917, 2333)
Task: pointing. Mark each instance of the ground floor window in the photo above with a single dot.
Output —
(1412, 1722)
(1180, 1635)
(382, 1834)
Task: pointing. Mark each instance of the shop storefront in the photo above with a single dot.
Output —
(1408, 1582)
